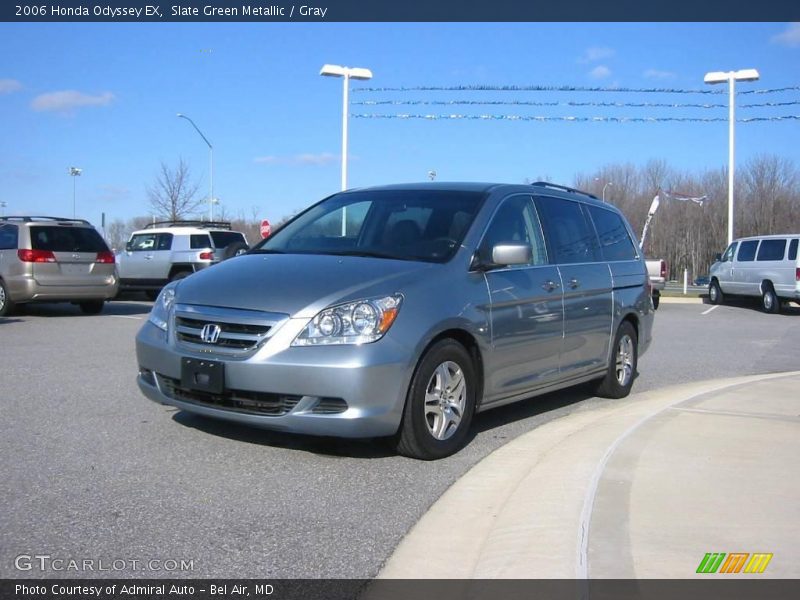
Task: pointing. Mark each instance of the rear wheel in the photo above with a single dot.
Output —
(440, 403)
(769, 300)
(621, 371)
(151, 295)
(179, 275)
(92, 307)
(6, 304)
(715, 293)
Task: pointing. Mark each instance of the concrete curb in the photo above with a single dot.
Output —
(682, 300)
(524, 511)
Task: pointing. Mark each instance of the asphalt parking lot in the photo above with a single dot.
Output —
(95, 471)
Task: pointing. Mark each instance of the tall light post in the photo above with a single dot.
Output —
(604, 189)
(211, 166)
(731, 77)
(74, 172)
(3, 205)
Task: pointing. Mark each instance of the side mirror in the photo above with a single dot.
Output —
(718, 257)
(511, 254)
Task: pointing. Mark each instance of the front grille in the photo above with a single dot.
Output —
(243, 401)
(240, 333)
(236, 336)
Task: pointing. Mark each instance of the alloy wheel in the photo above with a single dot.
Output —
(445, 400)
(624, 360)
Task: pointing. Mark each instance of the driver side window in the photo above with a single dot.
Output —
(728, 256)
(516, 221)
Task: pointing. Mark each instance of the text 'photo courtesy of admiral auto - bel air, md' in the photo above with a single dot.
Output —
(400, 311)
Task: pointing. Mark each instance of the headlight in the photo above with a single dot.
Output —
(159, 315)
(359, 322)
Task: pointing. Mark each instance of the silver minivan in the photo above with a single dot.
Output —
(766, 266)
(403, 310)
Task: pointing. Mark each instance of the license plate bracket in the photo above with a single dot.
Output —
(203, 375)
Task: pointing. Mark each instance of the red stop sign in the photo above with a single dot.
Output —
(266, 229)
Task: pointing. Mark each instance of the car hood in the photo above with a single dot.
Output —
(299, 285)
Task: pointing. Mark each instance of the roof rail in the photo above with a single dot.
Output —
(33, 218)
(180, 223)
(563, 188)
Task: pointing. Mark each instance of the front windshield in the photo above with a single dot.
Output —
(425, 225)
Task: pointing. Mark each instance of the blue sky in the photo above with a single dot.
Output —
(104, 97)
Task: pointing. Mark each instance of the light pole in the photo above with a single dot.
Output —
(604, 189)
(3, 205)
(731, 77)
(211, 166)
(74, 172)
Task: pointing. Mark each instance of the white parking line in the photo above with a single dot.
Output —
(705, 312)
(126, 317)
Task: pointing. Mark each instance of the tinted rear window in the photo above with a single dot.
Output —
(8, 237)
(66, 239)
(224, 238)
(615, 242)
(199, 241)
(771, 250)
(747, 251)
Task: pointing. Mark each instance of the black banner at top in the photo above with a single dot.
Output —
(33, 11)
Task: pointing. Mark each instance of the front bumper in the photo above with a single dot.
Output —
(341, 391)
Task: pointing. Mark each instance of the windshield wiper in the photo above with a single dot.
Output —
(370, 254)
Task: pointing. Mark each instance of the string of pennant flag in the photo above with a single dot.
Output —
(575, 119)
(563, 88)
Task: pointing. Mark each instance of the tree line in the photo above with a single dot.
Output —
(684, 233)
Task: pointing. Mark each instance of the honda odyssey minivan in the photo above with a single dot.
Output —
(403, 310)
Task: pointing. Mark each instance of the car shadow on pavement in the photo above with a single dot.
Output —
(6, 320)
(754, 305)
(327, 446)
(64, 309)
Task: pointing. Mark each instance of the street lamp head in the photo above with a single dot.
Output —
(723, 76)
(75, 171)
(340, 71)
(716, 77)
(746, 75)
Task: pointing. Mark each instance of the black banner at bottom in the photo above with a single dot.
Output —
(398, 589)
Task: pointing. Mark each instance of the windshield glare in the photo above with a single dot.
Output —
(404, 225)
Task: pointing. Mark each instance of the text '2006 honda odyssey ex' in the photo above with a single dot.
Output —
(402, 310)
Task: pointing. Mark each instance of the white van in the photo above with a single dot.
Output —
(767, 266)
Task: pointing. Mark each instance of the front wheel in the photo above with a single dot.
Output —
(439, 404)
(621, 371)
(715, 293)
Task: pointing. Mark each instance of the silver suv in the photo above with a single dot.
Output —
(403, 310)
(166, 251)
(51, 259)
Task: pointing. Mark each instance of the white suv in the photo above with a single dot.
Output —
(165, 251)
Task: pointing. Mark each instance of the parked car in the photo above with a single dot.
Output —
(657, 271)
(429, 303)
(701, 281)
(767, 266)
(53, 259)
(166, 251)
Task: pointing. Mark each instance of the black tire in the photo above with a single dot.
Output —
(656, 299)
(416, 438)
(769, 299)
(92, 307)
(180, 275)
(7, 305)
(715, 295)
(152, 294)
(234, 249)
(621, 371)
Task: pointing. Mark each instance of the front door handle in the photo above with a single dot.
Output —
(550, 285)
(574, 283)
(148, 257)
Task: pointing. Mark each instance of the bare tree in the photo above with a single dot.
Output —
(172, 195)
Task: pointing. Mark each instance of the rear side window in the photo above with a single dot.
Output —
(771, 250)
(223, 239)
(570, 236)
(793, 250)
(615, 241)
(197, 242)
(747, 251)
(9, 236)
(66, 239)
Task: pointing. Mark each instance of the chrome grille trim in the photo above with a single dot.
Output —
(242, 331)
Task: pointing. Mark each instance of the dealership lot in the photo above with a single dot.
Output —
(96, 472)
